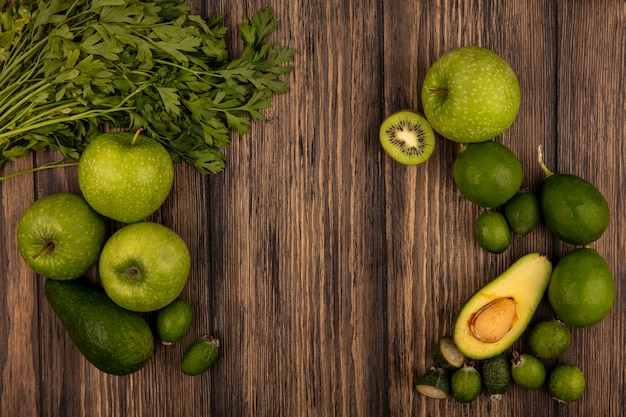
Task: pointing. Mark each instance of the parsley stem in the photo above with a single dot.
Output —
(72, 118)
(53, 164)
(25, 96)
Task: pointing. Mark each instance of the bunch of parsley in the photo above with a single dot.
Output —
(70, 69)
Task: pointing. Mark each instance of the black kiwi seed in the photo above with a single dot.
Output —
(407, 137)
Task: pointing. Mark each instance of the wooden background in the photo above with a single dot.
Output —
(327, 270)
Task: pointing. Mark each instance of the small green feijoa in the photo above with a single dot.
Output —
(549, 339)
(527, 371)
(174, 321)
(523, 212)
(466, 383)
(566, 383)
(200, 355)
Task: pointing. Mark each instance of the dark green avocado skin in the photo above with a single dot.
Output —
(115, 340)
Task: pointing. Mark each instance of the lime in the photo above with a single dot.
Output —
(487, 173)
(466, 383)
(566, 383)
(527, 371)
(549, 339)
(523, 212)
(174, 321)
(492, 231)
(581, 290)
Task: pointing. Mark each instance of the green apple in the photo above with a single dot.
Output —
(60, 237)
(125, 176)
(470, 94)
(144, 266)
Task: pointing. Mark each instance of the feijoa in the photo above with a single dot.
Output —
(492, 231)
(496, 376)
(466, 383)
(487, 173)
(574, 210)
(434, 383)
(527, 370)
(446, 355)
(549, 339)
(566, 383)
(174, 321)
(200, 355)
(523, 212)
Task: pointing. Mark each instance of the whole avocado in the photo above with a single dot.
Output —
(115, 340)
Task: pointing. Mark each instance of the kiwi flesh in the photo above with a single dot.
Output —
(407, 137)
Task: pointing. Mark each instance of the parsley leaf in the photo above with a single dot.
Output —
(68, 68)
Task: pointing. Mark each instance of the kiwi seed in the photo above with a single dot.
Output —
(407, 137)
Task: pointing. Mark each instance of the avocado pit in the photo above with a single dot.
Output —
(494, 320)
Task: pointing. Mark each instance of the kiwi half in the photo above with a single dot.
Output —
(407, 137)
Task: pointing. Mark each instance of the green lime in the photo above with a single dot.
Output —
(581, 290)
(523, 212)
(573, 209)
(487, 173)
(174, 321)
(492, 231)
(566, 383)
(549, 339)
(466, 384)
(527, 371)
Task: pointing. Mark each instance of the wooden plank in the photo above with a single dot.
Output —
(434, 263)
(327, 270)
(19, 327)
(302, 246)
(590, 132)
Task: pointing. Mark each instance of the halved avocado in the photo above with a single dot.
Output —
(497, 314)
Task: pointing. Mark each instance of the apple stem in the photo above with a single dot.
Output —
(133, 273)
(136, 136)
(545, 169)
(48, 247)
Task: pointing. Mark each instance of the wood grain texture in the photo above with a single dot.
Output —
(327, 270)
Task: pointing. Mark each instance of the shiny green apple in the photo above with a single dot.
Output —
(125, 176)
(470, 94)
(60, 237)
(144, 266)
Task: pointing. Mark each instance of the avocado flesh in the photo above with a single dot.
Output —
(115, 340)
(497, 314)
